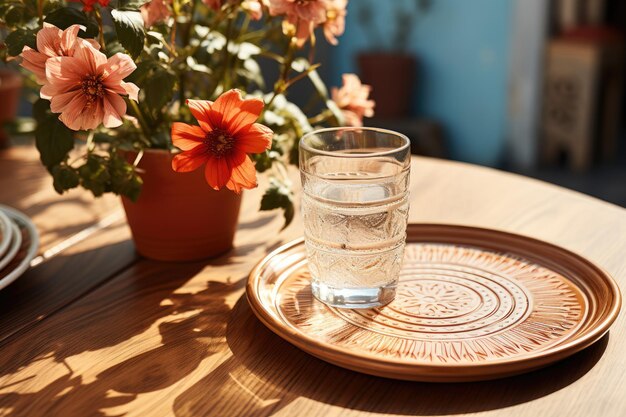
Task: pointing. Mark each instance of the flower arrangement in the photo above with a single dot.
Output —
(182, 75)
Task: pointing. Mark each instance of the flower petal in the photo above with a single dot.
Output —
(200, 109)
(256, 139)
(59, 102)
(243, 173)
(190, 160)
(65, 71)
(91, 58)
(118, 67)
(114, 108)
(131, 89)
(77, 116)
(49, 40)
(34, 62)
(68, 39)
(187, 137)
(232, 113)
(217, 173)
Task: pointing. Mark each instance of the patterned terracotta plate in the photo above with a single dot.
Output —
(472, 304)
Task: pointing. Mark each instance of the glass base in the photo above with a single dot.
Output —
(353, 297)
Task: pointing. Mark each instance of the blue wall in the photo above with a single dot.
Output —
(462, 48)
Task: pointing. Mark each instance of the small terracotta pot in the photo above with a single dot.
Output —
(10, 90)
(392, 77)
(177, 216)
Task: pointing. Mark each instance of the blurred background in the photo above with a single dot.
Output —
(531, 86)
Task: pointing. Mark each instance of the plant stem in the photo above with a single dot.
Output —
(40, 11)
(175, 11)
(322, 117)
(280, 85)
(226, 75)
(312, 48)
(142, 121)
(305, 73)
(244, 25)
(138, 158)
(100, 29)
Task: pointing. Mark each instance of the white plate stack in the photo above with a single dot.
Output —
(19, 242)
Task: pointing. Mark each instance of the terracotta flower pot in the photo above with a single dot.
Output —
(10, 90)
(178, 217)
(392, 77)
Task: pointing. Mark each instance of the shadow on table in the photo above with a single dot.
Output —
(266, 374)
(191, 326)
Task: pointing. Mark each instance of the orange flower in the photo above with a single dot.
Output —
(227, 133)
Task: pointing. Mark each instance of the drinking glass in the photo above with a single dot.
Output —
(355, 207)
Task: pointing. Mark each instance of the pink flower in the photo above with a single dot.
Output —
(335, 20)
(154, 11)
(85, 88)
(352, 99)
(51, 42)
(309, 10)
(301, 17)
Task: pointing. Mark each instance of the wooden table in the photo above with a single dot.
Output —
(96, 330)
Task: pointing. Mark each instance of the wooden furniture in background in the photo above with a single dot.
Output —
(583, 86)
(94, 330)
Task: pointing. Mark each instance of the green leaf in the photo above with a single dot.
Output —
(300, 64)
(41, 109)
(19, 38)
(130, 30)
(124, 179)
(144, 68)
(288, 213)
(14, 14)
(159, 89)
(252, 71)
(54, 140)
(263, 161)
(94, 175)
(65, 178)
(319, 85)
(336, 111)
(195, 66)
(66, 17)
(278, 195)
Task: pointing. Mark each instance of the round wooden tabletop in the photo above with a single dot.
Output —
(95, 330)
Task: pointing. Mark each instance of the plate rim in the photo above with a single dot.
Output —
(533, 361)
(5, 224)
(14, 247)
(32, 249)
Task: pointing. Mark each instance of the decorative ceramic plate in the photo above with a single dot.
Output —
(472, 304)
(6, 234)
(26, 251)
